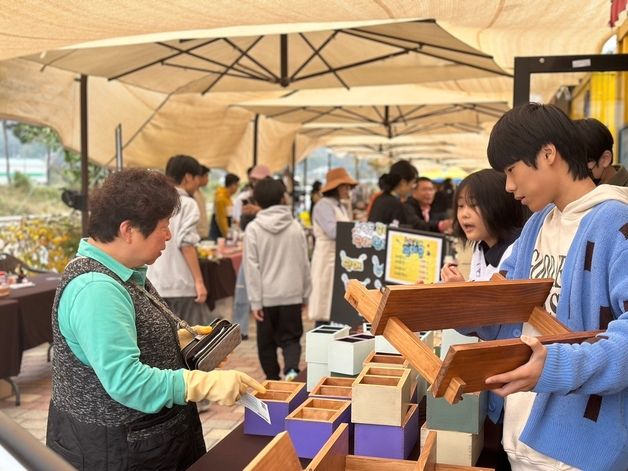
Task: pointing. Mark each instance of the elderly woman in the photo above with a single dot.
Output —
(327, 212)
(121, 396)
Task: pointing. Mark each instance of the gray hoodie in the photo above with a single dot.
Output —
(276, 265)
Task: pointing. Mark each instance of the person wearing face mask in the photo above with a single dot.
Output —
(327, 212)
(598, 142)
(396, 186)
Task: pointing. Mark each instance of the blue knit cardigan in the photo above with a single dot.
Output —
(580, 414)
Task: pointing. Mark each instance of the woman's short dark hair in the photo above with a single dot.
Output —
(179, 166)
(596, 138)
(400, 170)
(143, 197)
(269, 192)
(523, 131)
(501, 212)
(230, 179)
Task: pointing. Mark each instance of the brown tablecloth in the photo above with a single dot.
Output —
(10, 351)
(220, 280)
(30, 325)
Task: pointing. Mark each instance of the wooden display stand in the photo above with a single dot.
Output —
(398, 311)
(334, 456)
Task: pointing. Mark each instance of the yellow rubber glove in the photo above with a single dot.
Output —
(223, 387)
(185, 337)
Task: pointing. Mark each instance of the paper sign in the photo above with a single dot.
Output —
(413, 256)
(255, 405)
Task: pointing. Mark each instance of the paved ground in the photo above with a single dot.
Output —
(35, 385)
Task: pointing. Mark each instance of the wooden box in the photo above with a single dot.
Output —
(394, 360)
(456, 448)
(465, 416)
(346, 354)
(314, 372)
(388, 441)
(317, 342)
(334, 388)
(313, 422)
(381, 395)
(281, 397)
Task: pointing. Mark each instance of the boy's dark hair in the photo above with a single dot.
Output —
(230, 179)
(596, 138)
(143, 197)
(501, 212)
(180, 165)
(523, 131)
(400, 170)
(204, 170)
(268, 192)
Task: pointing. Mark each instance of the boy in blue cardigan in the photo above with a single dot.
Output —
(567, 408)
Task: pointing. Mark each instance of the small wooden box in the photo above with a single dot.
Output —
(346, 354)
(315, 371)
(312, 423)
(317, 342)
(467, 415)
(381, 395)
(281, 397)
(334, 388)
(457, 448)
(388, 441)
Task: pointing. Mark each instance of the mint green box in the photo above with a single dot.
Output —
(465, 416)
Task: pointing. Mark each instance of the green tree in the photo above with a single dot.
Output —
(27, 134)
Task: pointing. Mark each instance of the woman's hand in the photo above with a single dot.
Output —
(451, 273)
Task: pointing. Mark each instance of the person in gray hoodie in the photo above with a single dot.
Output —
(277, 272)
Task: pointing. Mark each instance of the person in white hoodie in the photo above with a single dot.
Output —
(277, 273)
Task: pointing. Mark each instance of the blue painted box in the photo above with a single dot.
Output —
(386, 441)
(312, 423)
(282, 397)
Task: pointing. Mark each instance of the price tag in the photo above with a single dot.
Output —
(255, 405)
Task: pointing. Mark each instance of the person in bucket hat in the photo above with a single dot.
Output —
(327, 212)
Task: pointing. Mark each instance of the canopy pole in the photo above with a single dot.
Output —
(328, 160)
(292, 174)
(84, 156)
(357, 168)
(255, 136)
(119, 159)
(284, 80)
(304, 174)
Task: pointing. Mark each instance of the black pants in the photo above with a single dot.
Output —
(281, 327)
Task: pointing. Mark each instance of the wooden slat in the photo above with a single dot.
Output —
(364, 301)
(473, 363)
(427, 458)
(364, 463)
(279, 450)
(460, 304)
(333, 455)
(545, 324)
(420, 356)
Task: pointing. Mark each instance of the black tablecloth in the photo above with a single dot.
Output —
(26, 314)
(219, 278)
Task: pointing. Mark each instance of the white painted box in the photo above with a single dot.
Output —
(315, 371)
(457, 448)
(384, 346)
(317, 341)
(452, 337)
(347, 354)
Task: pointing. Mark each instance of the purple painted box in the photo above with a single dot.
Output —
(387, 441)
(312, 423)
(282, 397)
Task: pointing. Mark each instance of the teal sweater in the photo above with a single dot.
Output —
(97, 318)
(565, 423)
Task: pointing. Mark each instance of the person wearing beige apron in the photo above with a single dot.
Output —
(327, 212)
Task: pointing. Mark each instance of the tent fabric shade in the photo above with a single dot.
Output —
(411, 52)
